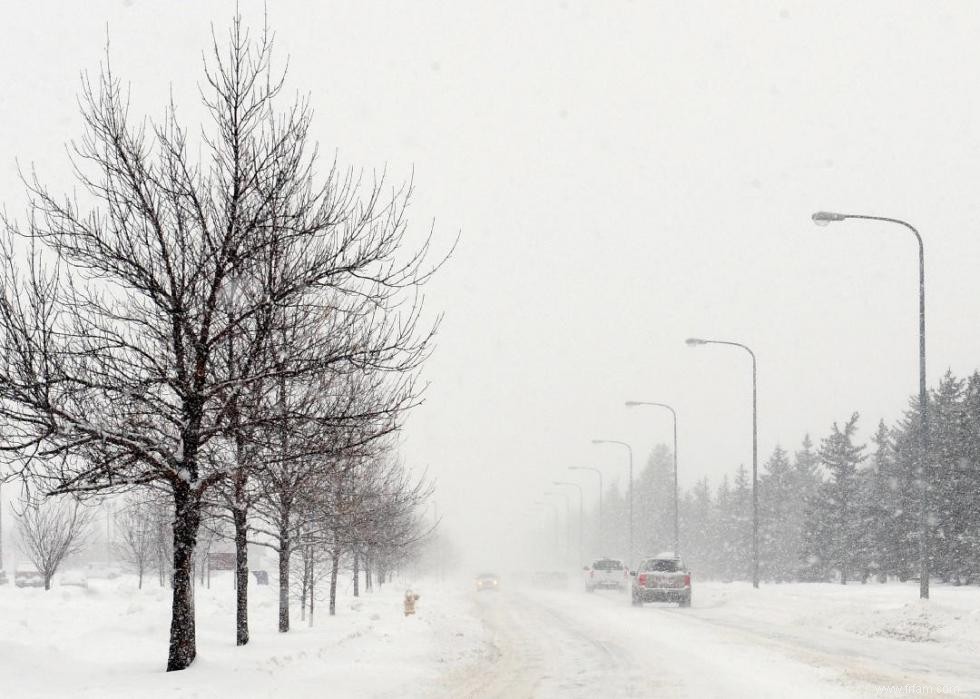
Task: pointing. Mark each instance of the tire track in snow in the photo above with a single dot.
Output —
(537, 651)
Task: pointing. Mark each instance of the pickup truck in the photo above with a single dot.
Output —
(606, 573)
(662, 578)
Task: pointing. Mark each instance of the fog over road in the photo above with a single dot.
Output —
(573, 644)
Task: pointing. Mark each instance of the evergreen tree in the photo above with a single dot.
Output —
(654, 503)
(808, 481)
(970, 474)
(816, 550)
(699, 531)
(882, 505)
(726, 518)
(951, 502)
(841, 457)
(905, 521)
(806, 466)
(780, 515)
(740, 522)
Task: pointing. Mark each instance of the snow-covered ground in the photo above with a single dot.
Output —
(794, 640)
(110, 641)
(778, 641)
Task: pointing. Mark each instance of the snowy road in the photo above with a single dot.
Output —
(568, 644)
(789, 640)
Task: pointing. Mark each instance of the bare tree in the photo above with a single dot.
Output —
(161, 523)
(366, 503)
(50, 530)
(213, 528)
(136, 534)
(325, 425)
(114, 332)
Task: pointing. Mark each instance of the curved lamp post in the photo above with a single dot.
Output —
(696, 342)
(823, 218)
(630, 450)
(677, 526)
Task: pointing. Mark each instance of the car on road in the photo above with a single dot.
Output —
(487, 581)
(606, 574)
(662, 578)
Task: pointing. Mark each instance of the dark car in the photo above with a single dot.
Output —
(663, 578)
(487, 581)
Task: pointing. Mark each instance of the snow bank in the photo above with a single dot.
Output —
(892, 610)
(111, 641)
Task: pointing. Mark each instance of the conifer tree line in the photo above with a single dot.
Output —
(224, 331)
(834, 509)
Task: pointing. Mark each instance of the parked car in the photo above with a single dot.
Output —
(28, 576)
(663, 578)
(487, 581)
(607, 574)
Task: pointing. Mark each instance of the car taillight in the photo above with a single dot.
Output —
(687, 581)
(642, 580)
(591, 573)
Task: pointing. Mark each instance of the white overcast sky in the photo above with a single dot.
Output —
(623, 175)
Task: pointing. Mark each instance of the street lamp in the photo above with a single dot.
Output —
(581, 516)
(677, 526)
(697, 342)
(630, 450)
(823, 218)
(598, 473)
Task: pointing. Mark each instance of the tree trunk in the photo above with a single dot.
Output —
(47, 582)
(311, 586)
(140, 585)
(304, 587)
(187, 519)
(241, 575)
(284, 575)
(334, 566)
(357, 574)
(368, 583)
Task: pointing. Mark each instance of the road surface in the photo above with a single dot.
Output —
(573, 644)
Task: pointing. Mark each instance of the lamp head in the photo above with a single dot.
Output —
(632, 403)
(695, 341)
(598, 441)
(822, 218)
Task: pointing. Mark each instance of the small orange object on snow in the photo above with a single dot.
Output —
(410, 599)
